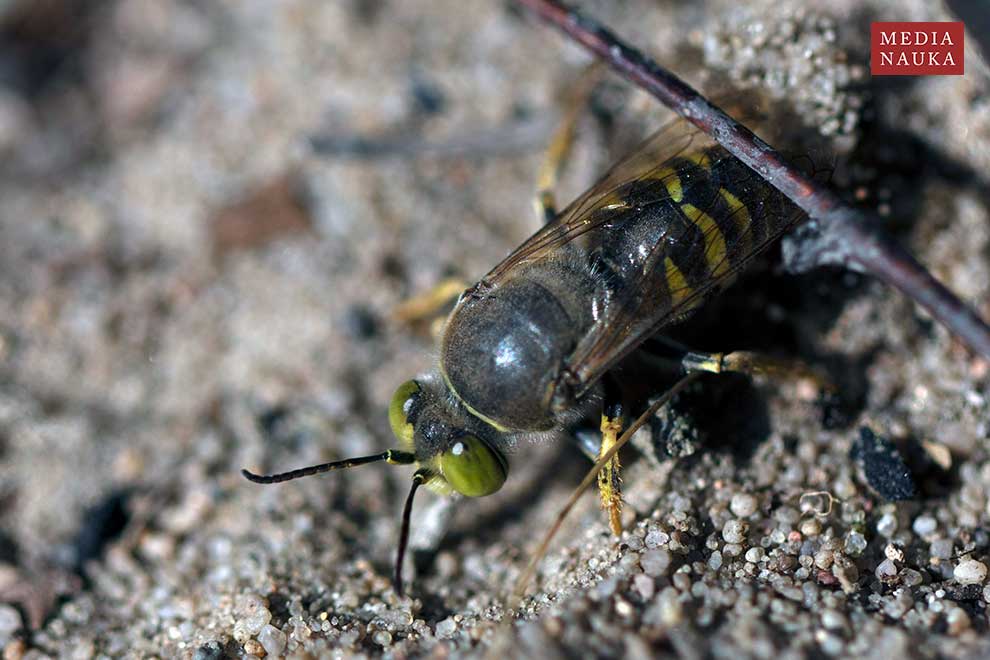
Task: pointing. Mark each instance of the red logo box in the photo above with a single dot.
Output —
(916, 49)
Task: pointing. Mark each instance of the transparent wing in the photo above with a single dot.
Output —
(579, 217)
(631, 319)
(635, 186)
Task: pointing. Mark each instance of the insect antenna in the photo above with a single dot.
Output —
(393, 456)
(419, 478)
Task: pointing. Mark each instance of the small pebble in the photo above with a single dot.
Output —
(732, 550)
(847, 574)
(893, 553)
(734, 531)
(644, 585)
(447, 564)
(241, 634)
(14, 650)
(655, 538)
(655, 562)
(833, 620)
(628, 563)
(211, 650)
(970, 571)
(669, 610)
(273, 640)
(786, 563)
(10, 623)
(715, 561)
(887, 525)
(824, 558)
(911, 577)
(791, 593)
(831, 644)
(787, 514)
(743, 505)
(254, 647)
(844, 487)
(899, 604)
(754, 555)
(855, 544)
(958, 621)
(301, 631)
(886, 571)
(256, 615)
(446, 628)
(605, 588)
(811, 527)
(941, 548)
(924, 525)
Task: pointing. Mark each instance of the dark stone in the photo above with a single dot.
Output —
(883, 466)
(210, 651)
(101, 525)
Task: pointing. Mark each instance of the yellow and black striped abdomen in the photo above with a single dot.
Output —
(687, 227)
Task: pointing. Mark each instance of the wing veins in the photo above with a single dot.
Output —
(615, 335)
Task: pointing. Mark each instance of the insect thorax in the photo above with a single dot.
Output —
(503, 348)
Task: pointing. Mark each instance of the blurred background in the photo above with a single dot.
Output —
(208, 212)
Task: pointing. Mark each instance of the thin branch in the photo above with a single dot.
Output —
(848, 237)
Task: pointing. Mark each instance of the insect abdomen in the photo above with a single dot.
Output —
(689, 224)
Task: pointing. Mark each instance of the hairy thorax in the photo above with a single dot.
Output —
(503, 348)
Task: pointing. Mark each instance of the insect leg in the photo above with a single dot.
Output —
(560, 146)
(594, 442)
(429, 303)
(609, 480)
(753, 364)
(746, 362)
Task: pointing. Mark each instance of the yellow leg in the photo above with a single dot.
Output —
(425, 305)
(609, 481)
(754, 364)
(560, 145)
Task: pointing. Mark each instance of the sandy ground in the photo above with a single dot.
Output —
(208, 213)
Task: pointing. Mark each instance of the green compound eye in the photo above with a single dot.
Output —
(472, 468)
(398, 412)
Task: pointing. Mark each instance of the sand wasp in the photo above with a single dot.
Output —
(530, 349)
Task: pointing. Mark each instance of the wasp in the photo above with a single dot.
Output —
(531, 348)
